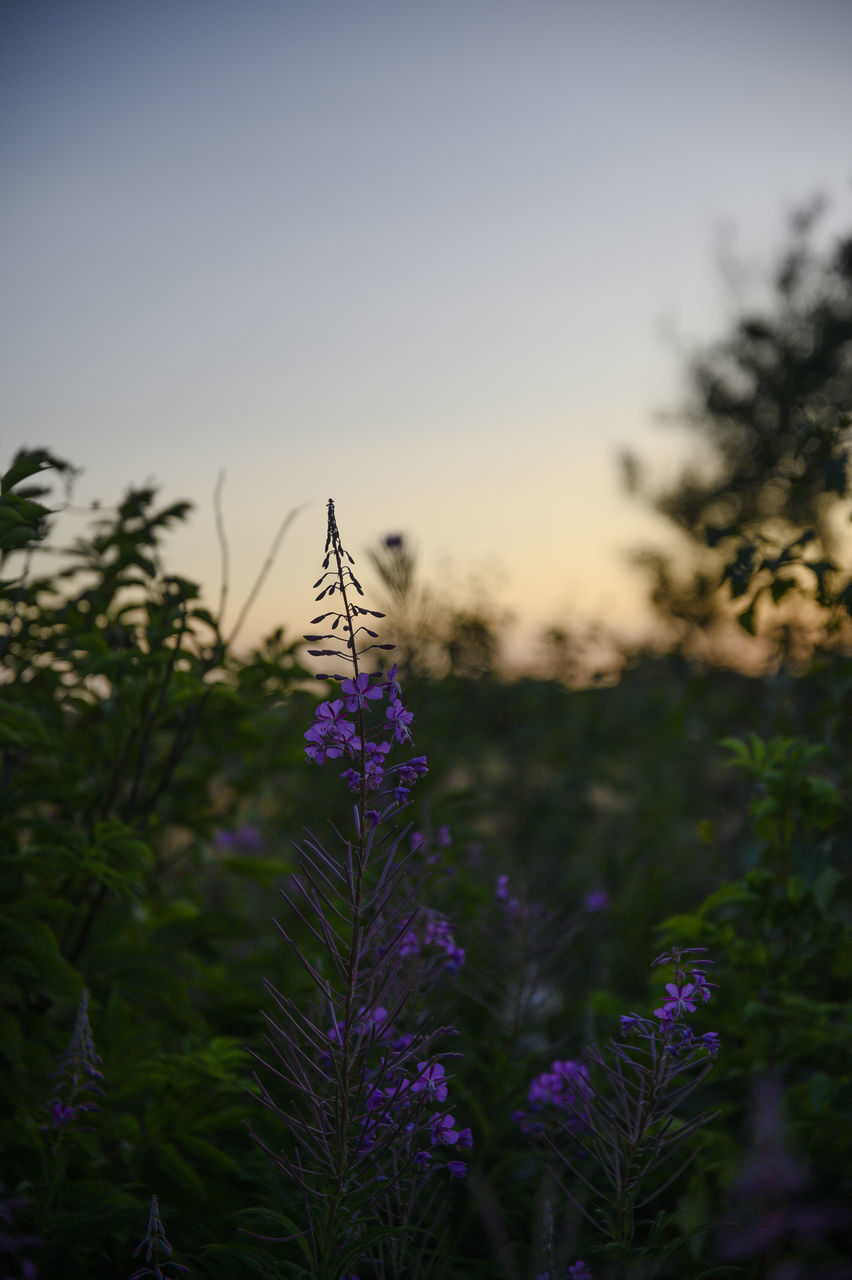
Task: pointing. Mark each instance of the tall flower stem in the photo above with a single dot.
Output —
(615, 1123)
(360, 1093)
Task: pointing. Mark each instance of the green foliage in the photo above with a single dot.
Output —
(770, 403)
(125, 732)
(151, 784)
(791, 800)
(781, 935)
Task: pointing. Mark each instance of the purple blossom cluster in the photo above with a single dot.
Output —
(404, 1102)
(396, 1097)
(422, 842)
(562, 1086)
(514, 908)
(565, 1093)
(682, 997)
(432, 933)
(562, 1094)
(334, 736)
(375, 1022)
(79, 1076)
(613, 1124)
(242, 839)
(596, 901)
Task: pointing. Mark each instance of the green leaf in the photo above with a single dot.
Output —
(263, 870)
(31, 952)
(209, 1154)
(297, 1233)
(30, 462)
(20, 727)
(179, 1169)
(825, 886)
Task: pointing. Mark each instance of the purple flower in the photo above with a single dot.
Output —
(329, 720)
(397, 1094)
(445, 838)
(376, 1099)
(579, 1271)
(527, 1124)
(596, 900)
(413, 769)
(437, 932)
(375, 1018)
(79, 1073)
(374, 767)
(511, 905)
(682, 1040)
(431, 1080)
(245, 839)
(400, 719)
(409, 946)
(330, 735)
(321, 746)
(359, 690)
(457, 1168)
(563, 1086)
(681, 999)
(702, 986)
(62, 1114)
(710, 1040)
(444, 1132)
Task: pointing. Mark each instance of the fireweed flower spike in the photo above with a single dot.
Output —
(157, 1249)
(365, 1102)
(613, 1123)
(79, 1078)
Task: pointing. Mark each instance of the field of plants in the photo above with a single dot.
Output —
(414, 971)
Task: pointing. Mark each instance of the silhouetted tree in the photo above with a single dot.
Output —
(770, 404)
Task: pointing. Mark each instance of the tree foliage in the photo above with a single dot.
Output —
(152, 784)
(770, 406)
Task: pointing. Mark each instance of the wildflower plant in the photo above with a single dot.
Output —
(157, 1249)
(616, 1122)
(79, 1079)
(364, 1100)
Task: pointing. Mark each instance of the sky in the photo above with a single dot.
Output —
(440, 261)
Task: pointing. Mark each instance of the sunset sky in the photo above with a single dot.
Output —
(437, 260)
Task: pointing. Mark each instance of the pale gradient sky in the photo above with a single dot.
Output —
(415, 256)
